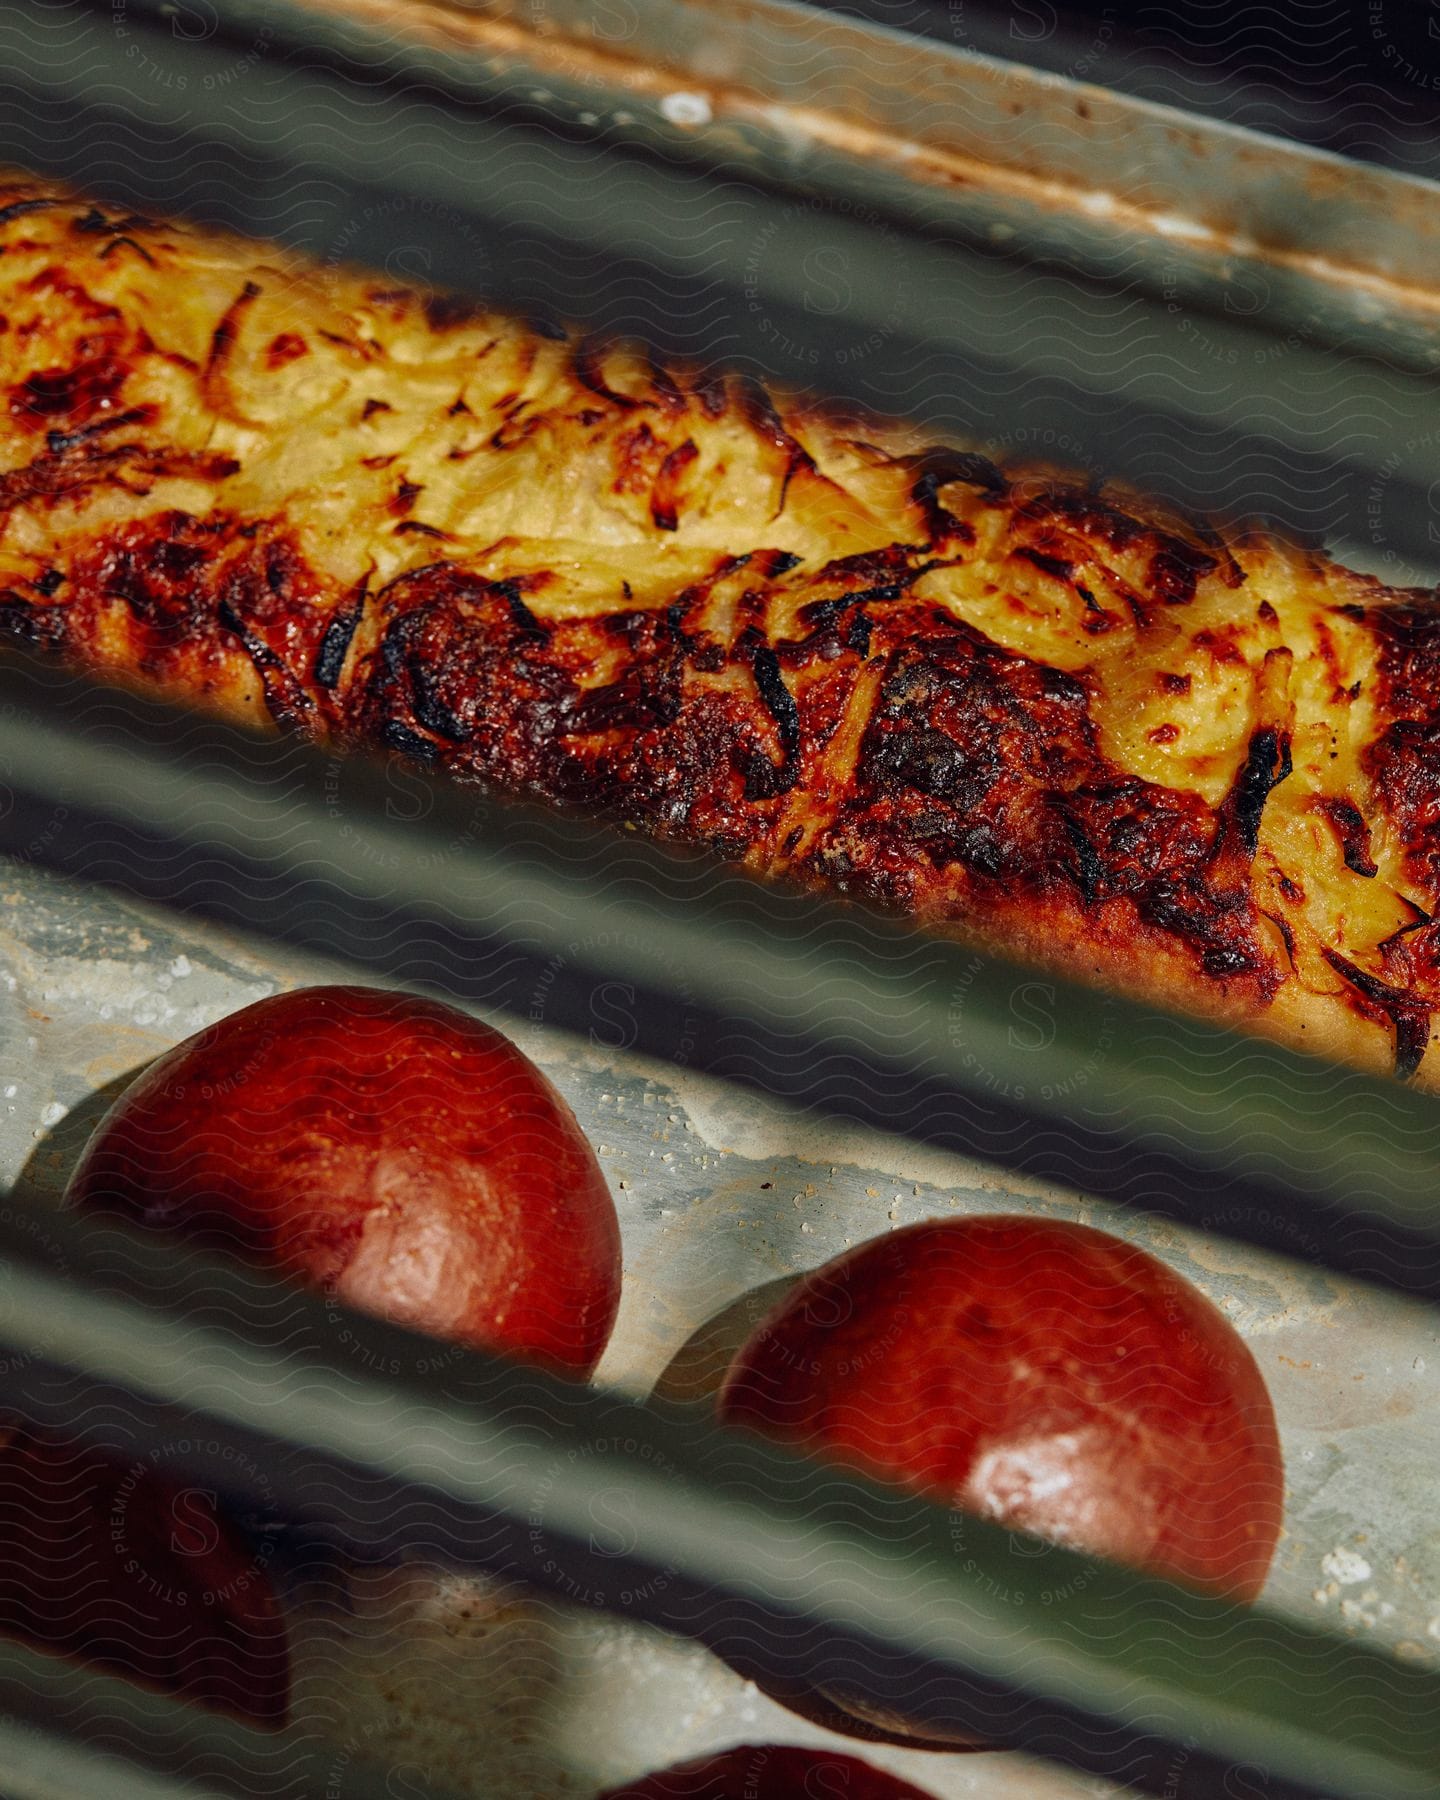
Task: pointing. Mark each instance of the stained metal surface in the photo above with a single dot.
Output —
(721, 1197)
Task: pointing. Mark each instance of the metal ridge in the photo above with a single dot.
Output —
(485, 1463)
(945, 137)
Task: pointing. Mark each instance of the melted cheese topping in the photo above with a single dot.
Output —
(1064, 721)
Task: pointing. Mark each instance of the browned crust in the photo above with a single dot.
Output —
(1200, 767)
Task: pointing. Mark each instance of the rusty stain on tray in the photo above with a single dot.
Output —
(452, 25)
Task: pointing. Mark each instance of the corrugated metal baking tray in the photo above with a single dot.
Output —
(1026, 262)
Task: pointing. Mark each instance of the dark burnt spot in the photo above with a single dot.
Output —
(882, 591)
(1222, 645)
(1163, 734)
(1084, 510)
(418, 528)
(371, 407)
(1408, 1015)
(1267, 763)
(892, 563)
(178, 561)
(645, 631)
(1058, 566)
(222, 338)
(76, 393)
(286, 700)
(711, 392)
(90, 466)
(1227, 958)
(1287, 936)
(778, 699)
(936, 468)
(641, 698)
(764, 779)
(18, 209)
(782, 562)
(977, 756)
(285, 348)
(760, 412)
(406, 495)
(664, 496)
(428, 701)
(857, 634)
(630, 744)
(35, 627)
(817, 615)
(1175, 570)
(919, 758)
(279, 572)
(1062, 687)
(1089, 870)
(335, 643)
(233, 623)
(628, 625)
(1215, 923)
(59, 442)
(1350, 827)
(445, 311)
(49, 583)
(153, 572)
(1403, 764)
(1173, 684)
(585, 364)
(127, 243)
(667, 389)
(94, 222)
(398, 736)
(521, 616)
(1419, 920)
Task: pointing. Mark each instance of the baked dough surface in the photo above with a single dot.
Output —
(1201, 767)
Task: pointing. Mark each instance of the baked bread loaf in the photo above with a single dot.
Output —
(1196, 765)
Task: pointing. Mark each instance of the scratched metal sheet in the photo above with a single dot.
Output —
(722, 1197)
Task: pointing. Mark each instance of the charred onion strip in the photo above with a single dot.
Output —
(214, 384)
(1409, 1016)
